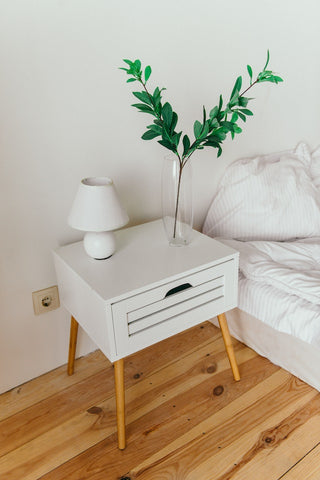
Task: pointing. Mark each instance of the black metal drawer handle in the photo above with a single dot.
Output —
(174, 290)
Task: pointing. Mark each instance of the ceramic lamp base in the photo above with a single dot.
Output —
(99, 245)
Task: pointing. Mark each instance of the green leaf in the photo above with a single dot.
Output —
(243, 117)
(197, 128)
(158, 109)
(147, 73)
(243, 101)
(214, 123)
(186, 144)
(220, 103)
(131, 80)
(214, 112)
(176, 138)
(166, 135)
(218, 135)
(157, 100)
(262, 76)
(129, 62)
(204, 116)
(167, 114)
(137, 65)
(250, 73)
(156, 96)
(155, 129)
(150, 134)
(234, 117)
(144, 97)
(168, 145)
(237, 129)
(205, 131)
(268, 58)
(173, 122)
(270, 78)
(221, 134)
(234, 101)
(246, 111)
(211, 143)
(228, 126)
(144, 108)
(237, 87)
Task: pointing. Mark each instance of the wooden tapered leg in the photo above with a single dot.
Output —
(120, 402)
(228, 344)
(72, 344)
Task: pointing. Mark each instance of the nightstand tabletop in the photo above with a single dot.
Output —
(143, 259)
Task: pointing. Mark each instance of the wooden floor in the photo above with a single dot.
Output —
(186, 418)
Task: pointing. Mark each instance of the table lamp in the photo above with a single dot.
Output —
(97, 211)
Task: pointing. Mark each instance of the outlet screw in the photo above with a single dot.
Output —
(46, 301)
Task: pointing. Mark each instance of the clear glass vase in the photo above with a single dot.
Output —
(177, 211)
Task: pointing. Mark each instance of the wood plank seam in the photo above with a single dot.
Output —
(298, 461)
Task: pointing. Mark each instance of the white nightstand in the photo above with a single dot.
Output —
(146, 292)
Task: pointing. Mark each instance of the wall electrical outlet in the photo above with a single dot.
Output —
(45, 300)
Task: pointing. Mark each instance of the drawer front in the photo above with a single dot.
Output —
(159, 313)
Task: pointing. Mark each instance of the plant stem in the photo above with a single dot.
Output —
(181, 165)
(150, 96)
(177, 201)
(245, 91)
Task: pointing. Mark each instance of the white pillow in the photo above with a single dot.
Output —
(270, 197)
(315, 167)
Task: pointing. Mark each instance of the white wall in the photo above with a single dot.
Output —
(65, 114)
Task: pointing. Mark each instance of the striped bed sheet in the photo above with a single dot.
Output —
(279, 283)
(281, 326)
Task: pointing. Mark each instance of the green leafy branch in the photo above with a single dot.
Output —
(211, 131)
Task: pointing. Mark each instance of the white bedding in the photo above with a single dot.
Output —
(293, 267)
(270, 206)
(269, 197)
(280, 284)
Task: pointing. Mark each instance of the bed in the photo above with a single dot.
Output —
(268, 208)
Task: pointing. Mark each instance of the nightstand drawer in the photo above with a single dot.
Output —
(158, 313)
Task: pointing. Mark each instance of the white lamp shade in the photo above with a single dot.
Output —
(96, 207)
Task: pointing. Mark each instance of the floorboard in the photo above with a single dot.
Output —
(187, 419)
